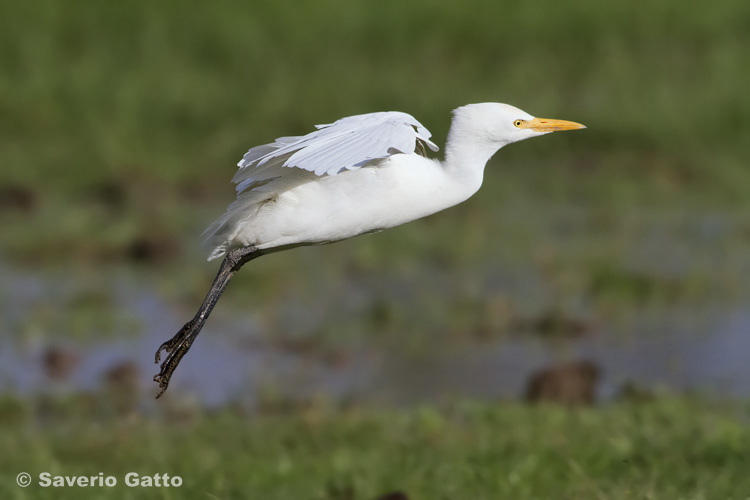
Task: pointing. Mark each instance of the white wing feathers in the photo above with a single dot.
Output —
(345, 144)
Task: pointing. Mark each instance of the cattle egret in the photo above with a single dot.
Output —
(357, 175)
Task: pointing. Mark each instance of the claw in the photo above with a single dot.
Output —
(168, 345)
(176, 348)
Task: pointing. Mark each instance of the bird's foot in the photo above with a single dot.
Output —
(176, 348)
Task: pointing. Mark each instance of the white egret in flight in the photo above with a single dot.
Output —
(357, 175)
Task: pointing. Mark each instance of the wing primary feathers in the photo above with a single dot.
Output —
(347, 143)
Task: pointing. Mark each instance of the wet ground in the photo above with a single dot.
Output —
(669, 349)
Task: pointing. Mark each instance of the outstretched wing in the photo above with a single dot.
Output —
(346, 144)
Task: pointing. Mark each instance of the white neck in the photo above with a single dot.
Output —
(466, 156)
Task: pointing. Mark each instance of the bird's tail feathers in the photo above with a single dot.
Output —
(220, 235)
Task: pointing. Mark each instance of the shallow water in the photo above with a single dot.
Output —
(712, 362)
(676, 350)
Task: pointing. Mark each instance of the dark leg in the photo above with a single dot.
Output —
(179, 345)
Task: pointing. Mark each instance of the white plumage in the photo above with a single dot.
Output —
(356, 175)
(345, 144)
(362, 174)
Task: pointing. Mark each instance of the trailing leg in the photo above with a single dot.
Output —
(178, 346)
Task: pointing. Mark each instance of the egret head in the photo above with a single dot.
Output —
(498, 124)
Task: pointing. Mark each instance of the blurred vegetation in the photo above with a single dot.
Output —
(628, 450)
(121, 123)
(164, 97)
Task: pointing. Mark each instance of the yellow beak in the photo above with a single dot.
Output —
(549, 125)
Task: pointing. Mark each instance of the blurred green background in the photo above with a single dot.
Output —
(604, 269)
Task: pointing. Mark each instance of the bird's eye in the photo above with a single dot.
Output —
(518, 123)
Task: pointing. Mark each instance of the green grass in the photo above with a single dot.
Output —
(669, 448)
